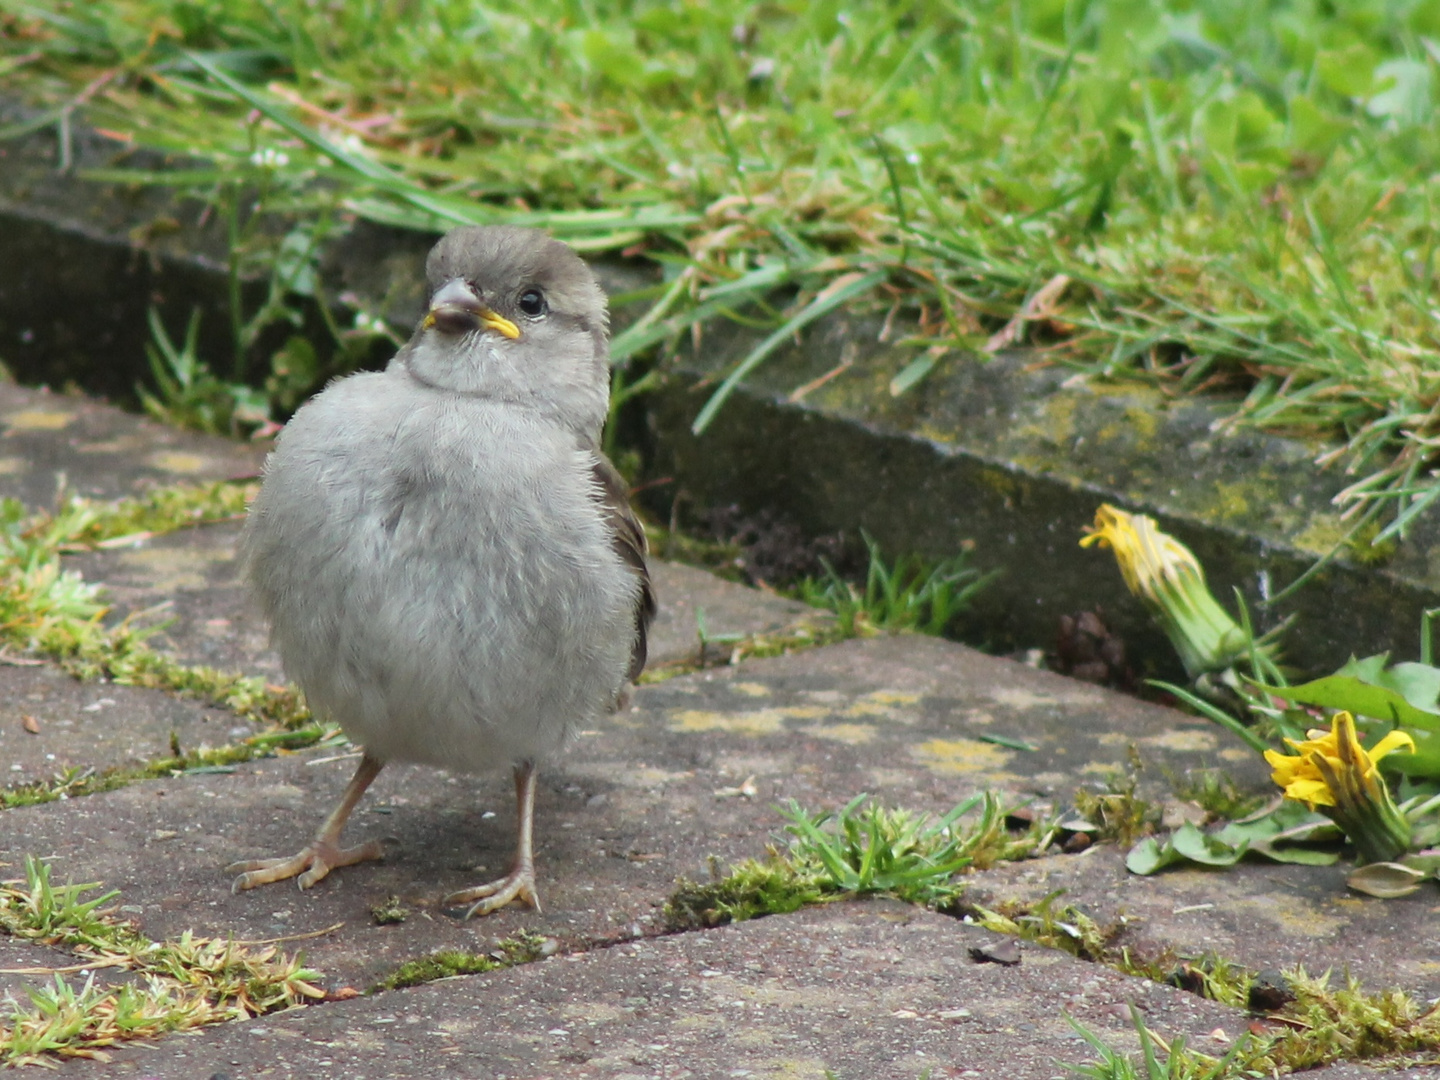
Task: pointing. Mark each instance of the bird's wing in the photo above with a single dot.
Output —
(627, 536)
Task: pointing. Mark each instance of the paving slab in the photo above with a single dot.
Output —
(863, 990)
(192, 577)
(51, 723)
(642, 799)
(93, 449)
(1259, 914)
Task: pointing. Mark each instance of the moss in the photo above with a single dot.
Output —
(522, 948)
(441, 965)
(1118, 812)
(1365, 551)
(750, 891)
(76, 782)
(389, 912)
(163, 510)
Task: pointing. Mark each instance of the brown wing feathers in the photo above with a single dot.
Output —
(628, 539)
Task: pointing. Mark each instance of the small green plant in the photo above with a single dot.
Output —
(188, 395)
(1117, 811)
(1179, 1062)
(862, 850)
(183, 984)
(874, 850)
(911, 595)
(1215, 792)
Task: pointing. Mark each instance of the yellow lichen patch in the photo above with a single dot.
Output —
(124, 444)
(798, 1068)
(1143, 422)
(1235, 753)
(169, 570)
(172, 461)
(1182, 741)
(884, 704)
(892, 697)
(1017, 698)
(759, 722)
(1293, 914)
(963, 756)
(852, 734)
(10, 466)
(37, 420)
(751, 689)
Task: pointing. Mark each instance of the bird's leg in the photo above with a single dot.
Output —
(519, 884)
(322, 854)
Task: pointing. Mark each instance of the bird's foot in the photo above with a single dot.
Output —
(519, 884)
(316, 860)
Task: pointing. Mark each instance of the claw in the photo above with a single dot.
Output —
(519, 884)
(322, 854)
(316, 860)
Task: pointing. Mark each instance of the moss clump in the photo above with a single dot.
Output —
(522, 948)
(389, 912)
(441, 965)
(751, 890)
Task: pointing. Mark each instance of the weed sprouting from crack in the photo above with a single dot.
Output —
(1117, 812)
(861, 850)
(1216, 793)
(1179, 1061)
(185, 983)
(76, 782)
(1317, 1025)
(911, 594)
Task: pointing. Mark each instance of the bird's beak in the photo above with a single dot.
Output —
(455, 309)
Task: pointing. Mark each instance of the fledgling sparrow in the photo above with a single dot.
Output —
(448, 562)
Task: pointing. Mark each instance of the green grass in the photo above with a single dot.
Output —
(863, 849)
(180, 984)
(910, 595)
(1241, 195)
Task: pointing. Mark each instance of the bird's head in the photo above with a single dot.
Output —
(516, 316)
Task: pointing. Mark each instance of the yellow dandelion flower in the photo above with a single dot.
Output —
(1331, 772)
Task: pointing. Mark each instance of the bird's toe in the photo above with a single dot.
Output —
(519, 885)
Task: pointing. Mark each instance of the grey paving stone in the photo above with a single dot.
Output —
(868, 991)
(1259, 914)
(101, 451)
(640, 800)
(79, 726)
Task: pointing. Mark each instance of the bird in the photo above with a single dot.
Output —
(448, 562)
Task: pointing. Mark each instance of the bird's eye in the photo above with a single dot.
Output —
(532, 303)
